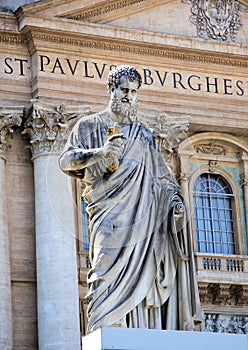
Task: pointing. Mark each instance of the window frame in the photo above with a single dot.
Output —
(208, 212)
(236, 207)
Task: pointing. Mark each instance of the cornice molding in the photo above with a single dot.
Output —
(136, 48)
(98, 10)
(12, 39)
(111, 10)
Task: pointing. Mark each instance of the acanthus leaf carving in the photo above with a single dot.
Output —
(8, 120)
(47, 126)
(170, 132)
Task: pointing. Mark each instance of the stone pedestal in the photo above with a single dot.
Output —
(152, 339)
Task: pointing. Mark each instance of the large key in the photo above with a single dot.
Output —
(113, 131)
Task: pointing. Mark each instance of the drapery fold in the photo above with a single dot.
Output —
(140, 247)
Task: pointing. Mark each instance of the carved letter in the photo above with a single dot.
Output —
(7, 64)
(72, 69)
(57, 65)
(227, 86)
(86, 70)
(21, 65)
(198, 85)
(179, 81)
(162, 81)
(100, 73)
(215, 84)
(44, 63)
(147, 75)
(241, 90)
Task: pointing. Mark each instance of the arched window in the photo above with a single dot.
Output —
(213, 215)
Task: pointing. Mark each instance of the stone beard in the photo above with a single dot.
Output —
(118, 107)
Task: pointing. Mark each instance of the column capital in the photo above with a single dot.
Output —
(10, 117)
(170, 131)
(48, 125)
(244, 180)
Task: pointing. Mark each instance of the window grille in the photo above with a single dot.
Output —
(213, 215)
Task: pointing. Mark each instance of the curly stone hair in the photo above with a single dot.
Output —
(123, 70)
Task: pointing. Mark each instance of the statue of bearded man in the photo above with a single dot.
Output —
(142, 270)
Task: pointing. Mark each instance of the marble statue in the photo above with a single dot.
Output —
(142, 268)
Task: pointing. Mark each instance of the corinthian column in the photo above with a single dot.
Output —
(7, 121)
(57, 278)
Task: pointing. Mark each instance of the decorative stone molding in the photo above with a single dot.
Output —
(218, 20)
(226, 324)
(12, 39)
(223, 294)
(135, 50)
(210, 148)
(10, 117)
(170, 131)
(102, 9)
(212, 164)
(48, 126)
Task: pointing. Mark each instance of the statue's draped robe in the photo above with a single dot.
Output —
(141, 258)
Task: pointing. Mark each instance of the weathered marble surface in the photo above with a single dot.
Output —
(142, 268)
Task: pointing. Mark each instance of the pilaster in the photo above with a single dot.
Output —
(57, 281)
(244, 184)
(9, 118)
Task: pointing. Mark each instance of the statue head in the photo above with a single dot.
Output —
(124, 70)
(123, 83)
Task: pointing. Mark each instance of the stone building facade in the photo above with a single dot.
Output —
(54, 60)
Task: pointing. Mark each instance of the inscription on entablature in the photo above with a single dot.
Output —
(90, 69)
(12, 66)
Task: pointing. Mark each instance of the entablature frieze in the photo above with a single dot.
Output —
(12, 39)
(218, 294)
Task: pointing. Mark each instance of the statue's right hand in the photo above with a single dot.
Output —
(114, 146)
